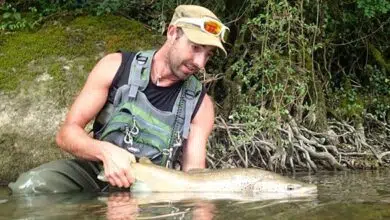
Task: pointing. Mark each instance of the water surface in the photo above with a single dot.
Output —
(341, 195)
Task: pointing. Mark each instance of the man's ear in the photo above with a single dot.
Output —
(171, 33)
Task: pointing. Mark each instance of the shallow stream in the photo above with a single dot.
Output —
(341, 195)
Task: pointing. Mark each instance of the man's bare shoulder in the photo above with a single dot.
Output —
(206, 112)
(105, 70)
(207, 103)
(111, 60)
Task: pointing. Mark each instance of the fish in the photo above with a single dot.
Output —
(245, 181)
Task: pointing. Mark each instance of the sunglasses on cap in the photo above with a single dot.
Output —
(208, 25)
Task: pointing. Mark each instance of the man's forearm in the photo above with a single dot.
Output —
(76, 141)
(116, 161)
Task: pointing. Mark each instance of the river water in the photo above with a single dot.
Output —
(341, 195)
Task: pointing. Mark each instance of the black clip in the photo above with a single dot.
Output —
(189, 94)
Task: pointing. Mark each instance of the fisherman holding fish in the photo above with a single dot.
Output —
(144, 104)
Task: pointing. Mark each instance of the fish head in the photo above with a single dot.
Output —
(284, 186)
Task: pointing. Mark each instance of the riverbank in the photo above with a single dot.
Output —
(41, 73)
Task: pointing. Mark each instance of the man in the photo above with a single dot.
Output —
(157, 105)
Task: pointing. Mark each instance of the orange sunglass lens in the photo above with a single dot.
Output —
(212, 27)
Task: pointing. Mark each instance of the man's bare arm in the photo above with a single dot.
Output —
(72, 136)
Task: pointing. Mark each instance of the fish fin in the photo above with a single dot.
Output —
(139, 186)
(145, 160)
(101, 176)
(198, 170)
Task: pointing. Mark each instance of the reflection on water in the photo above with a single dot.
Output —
(119, 205)
(342, 195)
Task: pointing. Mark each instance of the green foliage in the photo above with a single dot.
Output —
(350, 105)
(372, 8)
(358, 43)
(379, 82)
(276, 71)
(12, 19)
(245, 113)
(380, 88)
(108, 6)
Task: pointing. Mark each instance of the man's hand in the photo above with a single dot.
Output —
(116, 162)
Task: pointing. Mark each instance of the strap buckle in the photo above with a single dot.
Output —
(178, 141)
(166, 151)
(141, 59)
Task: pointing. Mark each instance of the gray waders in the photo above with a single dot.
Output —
(59, 176)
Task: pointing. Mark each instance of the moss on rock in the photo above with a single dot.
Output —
(88, 37)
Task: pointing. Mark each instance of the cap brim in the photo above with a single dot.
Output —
(199, 37)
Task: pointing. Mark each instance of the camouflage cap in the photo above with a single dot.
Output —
(194, 32)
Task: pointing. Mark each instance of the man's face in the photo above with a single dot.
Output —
(186, 58)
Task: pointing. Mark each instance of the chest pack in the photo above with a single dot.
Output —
(133, 123)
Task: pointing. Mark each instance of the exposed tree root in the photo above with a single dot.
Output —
(296, 148)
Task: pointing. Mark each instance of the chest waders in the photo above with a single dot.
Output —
(134, 124)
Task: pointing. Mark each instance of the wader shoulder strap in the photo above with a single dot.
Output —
(140, 72)
(192, 90)
(138, 77)
(188, 98)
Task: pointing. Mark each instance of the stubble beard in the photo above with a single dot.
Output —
(174, 65)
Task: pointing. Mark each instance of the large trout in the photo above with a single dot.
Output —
(250, 181)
